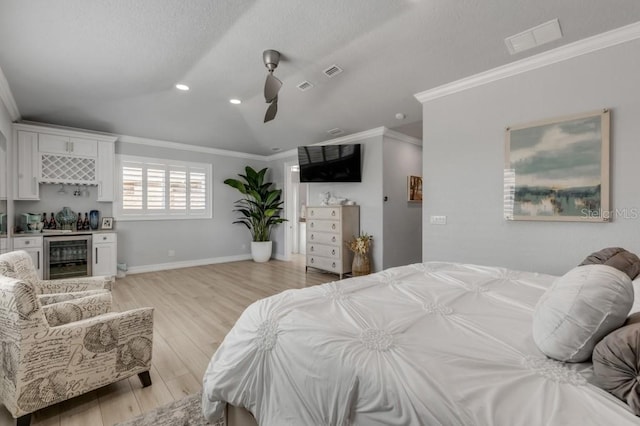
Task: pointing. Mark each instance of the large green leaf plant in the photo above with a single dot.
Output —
(260, 208)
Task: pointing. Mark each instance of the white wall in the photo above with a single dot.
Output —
(402, 228)
(463, 160)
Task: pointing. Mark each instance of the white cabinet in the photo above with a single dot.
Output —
(328, 227)
(104, 254)
(33, 246)
(26, 187)
(54, 155)
(62, 144)
(3, 245)
(106, 165)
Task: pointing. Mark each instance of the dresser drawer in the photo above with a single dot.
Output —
(27, 242)
(323, 250)
(333, 265)
(323, 213)
(323, 225)
(323, 238)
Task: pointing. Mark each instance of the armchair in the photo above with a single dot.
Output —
(55, 352)
(18, 264)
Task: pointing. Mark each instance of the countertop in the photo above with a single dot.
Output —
(59, 232)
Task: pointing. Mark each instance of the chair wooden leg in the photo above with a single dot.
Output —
(24, 420)
(145, 378)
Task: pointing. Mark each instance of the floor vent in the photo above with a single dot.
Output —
(305, 85)
(332, 71)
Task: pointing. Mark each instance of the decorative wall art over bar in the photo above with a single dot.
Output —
(558, 169)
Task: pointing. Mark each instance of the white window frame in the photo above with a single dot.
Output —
(167, 213)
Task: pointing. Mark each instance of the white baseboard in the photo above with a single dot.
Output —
(186, 264)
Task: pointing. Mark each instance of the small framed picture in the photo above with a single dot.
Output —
(107, 223)
(414, 189)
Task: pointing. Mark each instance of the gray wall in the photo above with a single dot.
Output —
(145, 243)
(402, 219)
(463, 160)
(367, 194)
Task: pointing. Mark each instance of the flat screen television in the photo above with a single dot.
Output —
(330, 163)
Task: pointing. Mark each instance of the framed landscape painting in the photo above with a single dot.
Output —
(558, 169)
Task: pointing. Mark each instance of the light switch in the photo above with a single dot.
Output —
(438, 220)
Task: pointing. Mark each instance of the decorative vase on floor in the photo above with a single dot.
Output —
(361, 264)
(261, 251)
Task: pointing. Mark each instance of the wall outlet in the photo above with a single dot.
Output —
(438, 220)
(171, 253)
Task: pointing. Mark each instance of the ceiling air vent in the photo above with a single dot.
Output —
(332, 71)
(534, 37)
(335, 132)
(305, 85)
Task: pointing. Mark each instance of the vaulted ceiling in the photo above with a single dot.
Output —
(111, 65)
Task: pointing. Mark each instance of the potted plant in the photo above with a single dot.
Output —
(259, 210)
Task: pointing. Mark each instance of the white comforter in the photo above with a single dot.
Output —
(424, 344)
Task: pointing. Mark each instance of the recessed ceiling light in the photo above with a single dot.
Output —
(235, 101)
(181, 86)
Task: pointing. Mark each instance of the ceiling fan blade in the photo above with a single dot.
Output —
(272, 110)
(271, 87)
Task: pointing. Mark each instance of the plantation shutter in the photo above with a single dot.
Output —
(162, 189)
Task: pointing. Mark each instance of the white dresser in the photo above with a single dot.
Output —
(328, 227)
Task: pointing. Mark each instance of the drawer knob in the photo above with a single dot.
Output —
(312, 212)
(311, 224)
(312, 236)
(333, 239)
(311, 249)
(104, 238)
(26, 243)
(333, 226)
(333, 265)
(333, 212)
(312, 260)
(333, 251)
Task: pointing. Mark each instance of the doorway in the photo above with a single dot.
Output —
(296, 195)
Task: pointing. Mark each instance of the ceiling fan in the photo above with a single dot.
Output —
(272, 85)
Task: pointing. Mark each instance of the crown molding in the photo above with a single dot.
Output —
(582, 47)
(156, 143)
(7, 98)
(34, 126)
(402, 137)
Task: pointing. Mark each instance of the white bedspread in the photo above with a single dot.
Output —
(424, 344)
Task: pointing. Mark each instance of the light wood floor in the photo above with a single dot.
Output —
(194, 309)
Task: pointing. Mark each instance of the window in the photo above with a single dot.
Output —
(154, 189)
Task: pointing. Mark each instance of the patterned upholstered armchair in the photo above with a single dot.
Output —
(18, 264)
(55, 352)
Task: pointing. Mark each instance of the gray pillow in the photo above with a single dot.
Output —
(615, 257)
(616, 364)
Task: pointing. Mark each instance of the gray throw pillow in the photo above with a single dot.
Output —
(616, 364)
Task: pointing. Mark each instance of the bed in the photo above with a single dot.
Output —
(425, 344)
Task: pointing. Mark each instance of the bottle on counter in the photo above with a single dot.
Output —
(52, 222)
(79, 222)
(45, 224)
(85, 222)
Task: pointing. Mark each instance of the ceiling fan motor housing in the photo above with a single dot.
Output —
(271, 59)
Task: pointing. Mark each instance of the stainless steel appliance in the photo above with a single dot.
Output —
(67, 256)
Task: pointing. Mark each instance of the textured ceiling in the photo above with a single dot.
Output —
(111, 65)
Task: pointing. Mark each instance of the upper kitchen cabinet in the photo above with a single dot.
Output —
(58, 155)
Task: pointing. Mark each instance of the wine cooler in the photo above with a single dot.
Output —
(67, 256)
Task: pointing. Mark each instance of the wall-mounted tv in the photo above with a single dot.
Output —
(330, 163)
